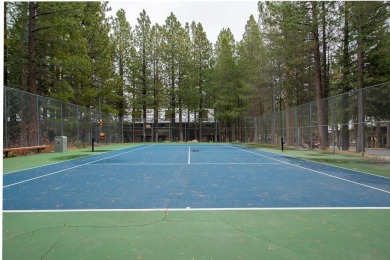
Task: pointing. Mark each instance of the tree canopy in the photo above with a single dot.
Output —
(290, 54)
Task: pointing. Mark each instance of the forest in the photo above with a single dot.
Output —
(292, 53)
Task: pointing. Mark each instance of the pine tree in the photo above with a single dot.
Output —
(122, 42)
(229, 104)
(142, 38)
(369, 20)
(159, 99)
(201, 50)
(170, 50)
(252, 62)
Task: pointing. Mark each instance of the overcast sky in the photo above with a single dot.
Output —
(213, 15)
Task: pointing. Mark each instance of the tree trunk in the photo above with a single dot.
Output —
(31, 49)
(32, 87)
(155, 108)
(325, 77)
(321, 109)
(345, 115)
(180, 121)
(5, 69)
(360, 83)
(144, 82)
(388, 135)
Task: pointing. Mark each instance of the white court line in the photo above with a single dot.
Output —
(196, 209)
(173, 164)
(189, 155)
(234, 163)
(140, 164)
(308, 169)
(67, 169)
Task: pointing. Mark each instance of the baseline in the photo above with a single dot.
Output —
(197, 209)
(174, 164)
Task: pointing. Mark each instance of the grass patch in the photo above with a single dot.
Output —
(68, 157)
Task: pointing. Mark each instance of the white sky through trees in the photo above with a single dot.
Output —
(213, 15)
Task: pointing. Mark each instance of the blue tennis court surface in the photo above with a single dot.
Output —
(190, 175)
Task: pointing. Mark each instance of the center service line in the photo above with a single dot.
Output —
(189, 154)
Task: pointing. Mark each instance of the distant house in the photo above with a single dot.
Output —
(192, 127)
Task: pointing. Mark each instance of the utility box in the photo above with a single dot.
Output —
(61, 144)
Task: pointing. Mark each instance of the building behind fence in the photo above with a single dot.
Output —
(31, 120)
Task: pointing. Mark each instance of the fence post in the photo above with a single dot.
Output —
(361, 119)
(122, 134)
(77, 122)
(215, 129)
(333, 139)
(109, 126)
(310, 126)
(132, 119)
(200, 129)
(283, 118)
(152, 130)
(38, 130)
(255, 139)
(5, 122)
(143, 130)
(61, 118)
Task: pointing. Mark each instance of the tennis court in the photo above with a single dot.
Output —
(204, 200)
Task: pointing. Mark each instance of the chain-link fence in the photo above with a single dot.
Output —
(354, 121)
(31, 120)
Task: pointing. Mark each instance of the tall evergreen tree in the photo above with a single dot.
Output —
(122, 41)
(201, 54)
(184, 71)
(159, 99)
(368, 21)
(170, 49)
(142, 44)
(229, 103)
(252, 62)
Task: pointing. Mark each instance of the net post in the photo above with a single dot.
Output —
(93, 144)
(281, 139)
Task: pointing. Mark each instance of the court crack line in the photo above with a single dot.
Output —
(80, 226)
(241, 230)
(166, 210)
(51, 248)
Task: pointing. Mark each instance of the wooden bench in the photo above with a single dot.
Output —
(38, 148)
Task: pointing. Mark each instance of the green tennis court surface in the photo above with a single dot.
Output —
(227, 219)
